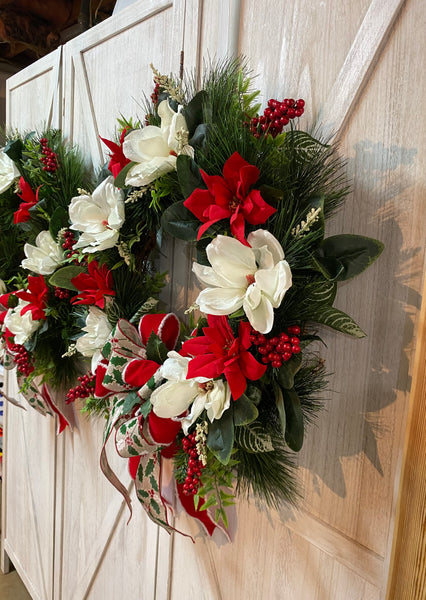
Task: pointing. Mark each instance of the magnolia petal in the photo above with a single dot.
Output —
(209, 277)
(166, 114)
(218, 400)
(275, 282)
(220, 301)
(231, 259)
(196, 409)
(262, 237)
(173, 398)
(259, 310)
(144, 144)
(146, 172)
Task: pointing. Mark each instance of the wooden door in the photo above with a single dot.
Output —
(107, 70)
(359, 66)
(30, 445)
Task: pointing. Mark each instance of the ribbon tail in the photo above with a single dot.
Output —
(33, 395)
(63, 423)
(201, 515)
(13, 401)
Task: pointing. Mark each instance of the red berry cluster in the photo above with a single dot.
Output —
(277, 349)
(84, 390)
(50, 158)
(195, 466)
(68, 243)
(22, 359)
(62, 293)
(276, 116)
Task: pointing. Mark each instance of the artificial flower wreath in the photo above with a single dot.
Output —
(226, 397)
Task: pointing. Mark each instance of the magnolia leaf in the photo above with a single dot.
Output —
(58, 220)
(130, 402)
(271, 195)
(253, 438)
(220, 439)
(120, 180)
(338, 320)
(13, 149)
(253, 393)
(279, 402)
(156, 350)
(294, 430)
(341, 257)
(62, 277)
(198, 140)
(189, 175)
(193, 112)
(244, 411)
(179, 222)
(286, 373)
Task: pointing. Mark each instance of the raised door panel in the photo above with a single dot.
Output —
(29, 494)
(33, 96)
(350, 463)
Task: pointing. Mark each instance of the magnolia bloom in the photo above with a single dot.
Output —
(3, 288)
(254, 278)
(98, 216)
(44, 257)
(176, 395)
(21, 325)
(8, 172)
(97, 331)
(155, 149)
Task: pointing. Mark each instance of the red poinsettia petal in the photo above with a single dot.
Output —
(260, 211)
(205, 365)
(244, 331)
(198, 203)
(236, 380)
(163, 431)
(195, 346)
(239, 173)
(138, 371)
(251, 368)
(238, 227)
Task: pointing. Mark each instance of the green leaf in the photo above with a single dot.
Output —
(279, 401)
(156, 350)
(341, 257)
(189, 175)
(13, 149)
(179, 222)
(120, 180)
(220, 438)
(244, 411)
(211, 501)
(130, 402)
(253, 438)
(294, 431)
(271, 195)
(193, 112)
(286, 373)
(58, 220)
(338, 320)
(199, 139)
(253, 393)
(62, 277)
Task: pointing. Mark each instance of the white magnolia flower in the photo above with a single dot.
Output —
(22, 326)
(254, 278)
(155, 149)
(98, 216)
(97, 331)
(176, 395)
(8, 172)
(44, 257)
(3, 288)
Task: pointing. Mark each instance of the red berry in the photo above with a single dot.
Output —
(286, 355)
(295, 349)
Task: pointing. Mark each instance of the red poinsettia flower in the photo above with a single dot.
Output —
(118, 160)
(219, 353)
(4, 302)
(228, 197)
(36, 294)
(94, 286)
(29, 200)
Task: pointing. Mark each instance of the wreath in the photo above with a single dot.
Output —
(228, 395)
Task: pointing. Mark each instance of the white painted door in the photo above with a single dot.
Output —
(30, 445)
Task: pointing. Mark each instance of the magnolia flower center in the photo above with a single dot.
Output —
(172, 153)
(206, 387)
(250, 279)
(106, 224)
